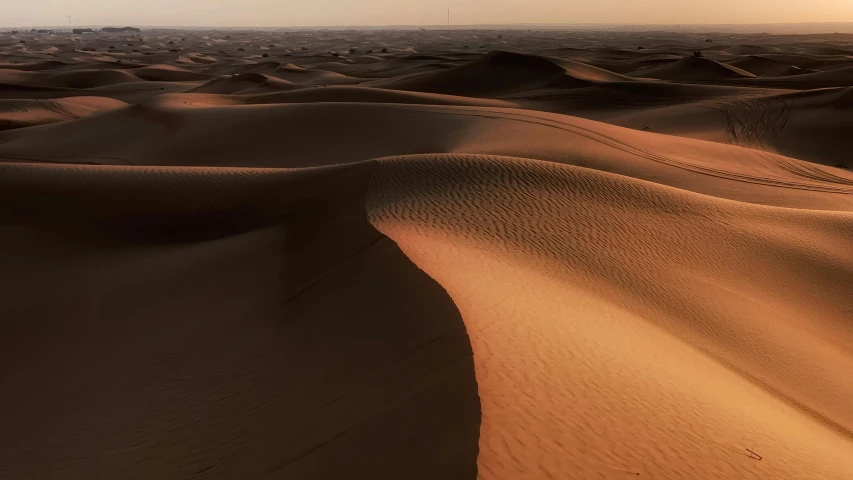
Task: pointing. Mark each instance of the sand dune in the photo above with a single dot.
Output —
(809, 125)
(372, 95)
(501, 73)
(751, 49)
(72, 79)
(307, 76)
(598, 302)
(232, 362)
(692, 69)
(760, 66)
(841, 77)
(167, 73)
(27, 113)
(428, 254)
(245, 83)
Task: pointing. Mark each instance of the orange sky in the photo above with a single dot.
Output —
(418, 12)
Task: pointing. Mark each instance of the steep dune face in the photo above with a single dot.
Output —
(190, 331)
(760, 66)
(595, 299)
(501, 73)
(693, 69)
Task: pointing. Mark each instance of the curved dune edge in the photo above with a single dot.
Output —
(621, 327)
(174, 132)
(221, 323)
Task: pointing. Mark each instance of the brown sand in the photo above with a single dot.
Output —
(426, 254)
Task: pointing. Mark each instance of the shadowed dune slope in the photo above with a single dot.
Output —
(71, 79)
(190, 332)
(372, 95)
(35, 66)
(244, 83)
(500, 73)
(751, 49)
(693, 69)
(793, 70)
(840, 77)
(167, 73)
(808, 125)
(760, 66)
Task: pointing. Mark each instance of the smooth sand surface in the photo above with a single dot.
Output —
(426, 254)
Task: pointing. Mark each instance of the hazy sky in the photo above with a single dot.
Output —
(415, 12)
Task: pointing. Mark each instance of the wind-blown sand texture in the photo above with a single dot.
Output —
(426, 255)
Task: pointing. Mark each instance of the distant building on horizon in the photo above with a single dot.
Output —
(120, 29)
(82, 31)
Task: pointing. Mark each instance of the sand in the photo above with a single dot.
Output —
(426, 254)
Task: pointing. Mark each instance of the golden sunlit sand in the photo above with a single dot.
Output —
(437, 254)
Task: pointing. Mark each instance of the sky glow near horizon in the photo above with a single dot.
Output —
(284, 13)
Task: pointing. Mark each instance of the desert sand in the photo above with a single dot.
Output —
(426, 254)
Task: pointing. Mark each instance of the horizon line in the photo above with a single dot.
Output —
(438, 26)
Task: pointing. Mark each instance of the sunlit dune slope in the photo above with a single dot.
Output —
(622, 327)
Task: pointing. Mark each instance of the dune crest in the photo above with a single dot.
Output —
(595, 299)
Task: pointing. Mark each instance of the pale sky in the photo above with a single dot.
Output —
(270, 13)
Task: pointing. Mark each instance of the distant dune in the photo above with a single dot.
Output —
(693, 69)
(501, 73)
(518, 254)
